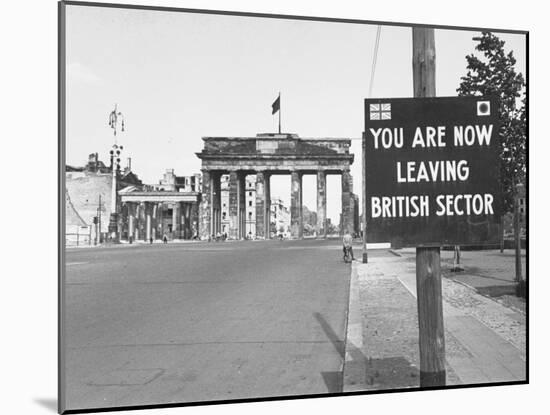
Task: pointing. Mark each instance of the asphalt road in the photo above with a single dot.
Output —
(196, 322)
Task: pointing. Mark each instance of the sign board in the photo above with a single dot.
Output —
(432, 171)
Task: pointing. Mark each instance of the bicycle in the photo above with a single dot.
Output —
(347, 254)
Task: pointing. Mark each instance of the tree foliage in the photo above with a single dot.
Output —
(494, 74)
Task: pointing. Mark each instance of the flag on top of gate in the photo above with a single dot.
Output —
(276, 106)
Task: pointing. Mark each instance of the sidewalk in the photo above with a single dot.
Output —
(485, 341)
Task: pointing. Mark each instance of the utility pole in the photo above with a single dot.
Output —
(428, 260)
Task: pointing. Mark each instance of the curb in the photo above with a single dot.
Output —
(354, 368)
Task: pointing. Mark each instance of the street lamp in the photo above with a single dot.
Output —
(115, 154)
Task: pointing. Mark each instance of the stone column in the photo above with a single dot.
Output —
(148, 213)
(194, 218)
(141, 219)
(242, 204)
(205, 207)
(160, 220)
(176, 218)
(216, 203)
(267, 198)
(185, 220)
(260, 205)
(154, 225)
(131, 220)
(234, 205)
(321, 204)
(296, 220)
(347, 211)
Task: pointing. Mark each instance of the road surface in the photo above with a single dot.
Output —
(150, 324)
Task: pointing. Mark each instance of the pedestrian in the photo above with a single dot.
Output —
(165, 239)
(347, 242)
(151, 240)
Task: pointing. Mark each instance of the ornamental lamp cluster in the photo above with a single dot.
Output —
(115, 156)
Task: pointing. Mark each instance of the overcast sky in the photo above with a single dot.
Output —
(177, 77)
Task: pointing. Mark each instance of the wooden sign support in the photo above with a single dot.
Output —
(428, 261)
(430, 317)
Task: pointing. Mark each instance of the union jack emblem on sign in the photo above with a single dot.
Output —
(380, 111)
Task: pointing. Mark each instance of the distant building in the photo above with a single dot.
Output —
(280, 218)
(250, 202)
(172, 183)
(309, 221)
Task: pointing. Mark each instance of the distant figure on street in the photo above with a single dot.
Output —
(151, 240)
(165, 239)
(347, 241)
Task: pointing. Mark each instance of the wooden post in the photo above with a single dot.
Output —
(423, 62)
(428, 260)
(430, 317)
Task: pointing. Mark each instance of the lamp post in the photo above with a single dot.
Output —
(115, 154)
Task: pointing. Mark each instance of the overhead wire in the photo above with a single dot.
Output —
(374, 59)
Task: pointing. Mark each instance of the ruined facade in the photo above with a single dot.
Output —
(88, 193)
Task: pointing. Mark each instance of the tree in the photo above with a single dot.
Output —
(494, 74)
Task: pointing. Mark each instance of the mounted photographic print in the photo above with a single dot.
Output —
(264, 207)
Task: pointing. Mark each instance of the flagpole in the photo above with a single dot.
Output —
(279, 112)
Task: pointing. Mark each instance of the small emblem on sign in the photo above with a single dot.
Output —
(483, 108)
(380, 111)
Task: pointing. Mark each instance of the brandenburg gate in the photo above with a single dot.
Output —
(264, 156)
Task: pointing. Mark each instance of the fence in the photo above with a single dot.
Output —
(80, 236)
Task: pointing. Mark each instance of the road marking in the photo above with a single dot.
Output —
(76, 263)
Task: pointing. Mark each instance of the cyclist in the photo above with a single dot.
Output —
(347, 241)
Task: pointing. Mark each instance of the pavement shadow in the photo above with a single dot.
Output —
(338, 344)
(48, 403)
(333, 381)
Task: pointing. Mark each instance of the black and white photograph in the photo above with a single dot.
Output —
(260, 206)
(241, 207)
